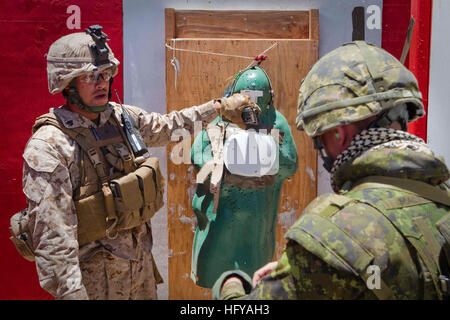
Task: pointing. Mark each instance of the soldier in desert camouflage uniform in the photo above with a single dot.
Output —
(58, 176)
(391, 208)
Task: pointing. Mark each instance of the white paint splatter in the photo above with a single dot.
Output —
(171, 254)
(310, 172)
(287, 218)
(192, 221)
(207, 293)
(191, 193)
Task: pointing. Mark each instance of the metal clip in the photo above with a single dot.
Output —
(445, 285)
(174, 62)
(93, 155)
(110, 229)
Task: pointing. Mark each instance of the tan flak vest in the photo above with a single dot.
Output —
(118, 192)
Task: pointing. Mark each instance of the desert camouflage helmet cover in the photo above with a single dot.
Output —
(69, 57)
(352, 83)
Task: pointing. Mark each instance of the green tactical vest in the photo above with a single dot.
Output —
(400, 225)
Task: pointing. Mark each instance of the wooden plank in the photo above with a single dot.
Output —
(170, 27)
(242, 24)
(205, 77)
(314, 24)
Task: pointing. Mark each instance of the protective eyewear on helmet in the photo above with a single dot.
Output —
(93, 77)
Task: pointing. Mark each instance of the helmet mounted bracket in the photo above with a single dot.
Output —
(99, 50)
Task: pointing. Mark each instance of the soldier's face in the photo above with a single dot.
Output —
(93, 93)
(330, 144)
(336, 140)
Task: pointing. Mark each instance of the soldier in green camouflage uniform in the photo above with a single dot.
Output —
(385, 233)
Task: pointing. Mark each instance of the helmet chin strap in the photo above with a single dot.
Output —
(73, 97)
(327, 161)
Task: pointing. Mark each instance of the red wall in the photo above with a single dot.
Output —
(396, 16)
(419, 61)
(27, 29)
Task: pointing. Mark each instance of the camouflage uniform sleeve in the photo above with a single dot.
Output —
(53, 222)
(157, 129)
(301, 275)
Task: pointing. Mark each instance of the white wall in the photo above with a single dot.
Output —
(144, 65)
(439, 85)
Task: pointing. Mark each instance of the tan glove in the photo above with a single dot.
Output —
(232, 107)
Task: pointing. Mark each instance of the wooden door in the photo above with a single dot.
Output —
(203, 77)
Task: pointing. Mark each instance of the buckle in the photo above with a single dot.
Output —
(445, 285)
(93, 155)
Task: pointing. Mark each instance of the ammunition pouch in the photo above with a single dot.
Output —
(136, 197)
(20, 235)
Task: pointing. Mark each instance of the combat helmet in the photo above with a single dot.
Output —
(255, 83)
(354, 82)
(77, 54)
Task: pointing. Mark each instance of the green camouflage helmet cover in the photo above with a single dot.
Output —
(253, 79)
(352, 83)
(69, 57)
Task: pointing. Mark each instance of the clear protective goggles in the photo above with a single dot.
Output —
(93, 77)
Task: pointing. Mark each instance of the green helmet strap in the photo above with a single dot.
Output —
(378, 79)
(73, 97)
(387, 98)
(96, 109)
(369, 59)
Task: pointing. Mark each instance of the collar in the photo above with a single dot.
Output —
(73, 120)
(395, 162)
